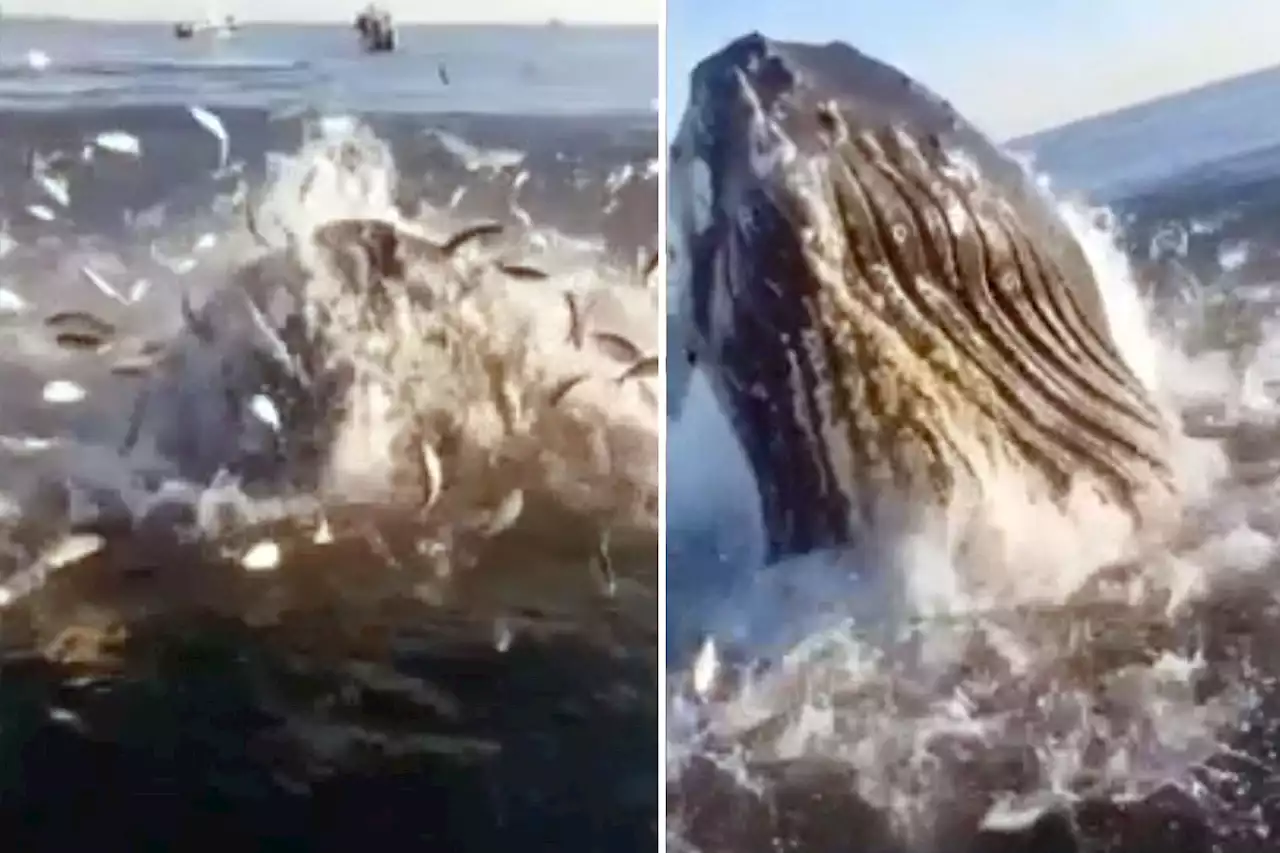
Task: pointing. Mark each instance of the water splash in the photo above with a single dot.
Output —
(954, 718)
(463, 357)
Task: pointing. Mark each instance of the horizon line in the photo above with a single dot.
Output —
(551, 20)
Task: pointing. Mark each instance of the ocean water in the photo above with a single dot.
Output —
(490, 70)
(792, 732)
(327, 521)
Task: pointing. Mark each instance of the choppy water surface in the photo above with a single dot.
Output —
(804, 716)
(299, 528)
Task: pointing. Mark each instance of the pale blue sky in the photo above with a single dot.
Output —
(586, 11)
(1012, 66)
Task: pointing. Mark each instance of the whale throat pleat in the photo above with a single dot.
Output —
(927, 337)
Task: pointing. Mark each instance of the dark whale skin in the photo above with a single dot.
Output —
(946, 267)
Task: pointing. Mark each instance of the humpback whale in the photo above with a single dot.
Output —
(892, 317)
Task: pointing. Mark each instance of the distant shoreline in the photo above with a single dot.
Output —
(521, 25)
(1036, 137)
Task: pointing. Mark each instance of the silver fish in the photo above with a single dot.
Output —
(522, 271)
(430, 473)
(468, 234)
(506, 514)
(80, 322)
(642, 369)
(562, 388)
(602, 562)
(139, 364)
(81, 341)
(577, 329)
(650, 266)
(617, 347)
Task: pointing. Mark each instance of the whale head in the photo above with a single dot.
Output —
(881, 299)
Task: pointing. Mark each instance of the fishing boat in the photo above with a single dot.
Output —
(229, 27)
(377, 32)
(214, 25)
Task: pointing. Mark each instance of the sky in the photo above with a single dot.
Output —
(484, 11)
(1011, 66)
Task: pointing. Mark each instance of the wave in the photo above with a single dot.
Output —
(800, 706)
(142, 66)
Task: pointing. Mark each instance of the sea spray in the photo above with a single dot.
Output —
(996, 716)
(593, 453)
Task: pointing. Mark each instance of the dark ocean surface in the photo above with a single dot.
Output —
(480, 676)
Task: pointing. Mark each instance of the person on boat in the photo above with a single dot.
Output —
(376, 30)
